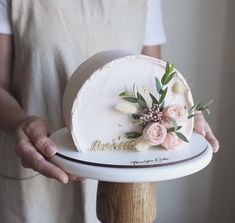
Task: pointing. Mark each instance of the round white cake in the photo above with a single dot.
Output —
(119, 100)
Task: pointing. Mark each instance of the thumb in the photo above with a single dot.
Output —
(37, 133)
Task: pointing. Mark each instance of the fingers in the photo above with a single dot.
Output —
(199, 127)
(50, 170)
(212, 140)
(33, 147)
(37, 133)
(31, 158)
(76, 178)
(203, 128)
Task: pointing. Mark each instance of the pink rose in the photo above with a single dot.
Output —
(177, 112)
(154, 133)
(171, 141)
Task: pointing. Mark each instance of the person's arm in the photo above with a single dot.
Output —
(33, 145)
(200, 125)
(152, 51)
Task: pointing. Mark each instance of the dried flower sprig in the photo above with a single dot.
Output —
(199, 107)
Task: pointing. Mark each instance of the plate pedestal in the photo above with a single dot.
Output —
(126, 202)
(126, 189)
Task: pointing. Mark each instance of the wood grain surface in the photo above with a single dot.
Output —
(126, 202)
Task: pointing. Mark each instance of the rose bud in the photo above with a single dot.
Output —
(154, 133)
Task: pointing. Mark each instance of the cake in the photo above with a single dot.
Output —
(118, 100)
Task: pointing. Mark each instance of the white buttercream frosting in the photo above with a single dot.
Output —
(92, 94)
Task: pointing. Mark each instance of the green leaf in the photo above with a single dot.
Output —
(134, 89)
(179, 127)
(192, 109)
(162, 106)
(199, 106)
(164, 77)
(131, 99)
(133, 135)
(208, 111)
(169, 78)
(174, 123)
(181, 136)
(163, 95)
(173, 129)
(168, 75)
(172, 67)
(154, 100)
(190, 116)
(158, 85)
(168, 68)
(207, 104)
(124, 93)
(141, 101)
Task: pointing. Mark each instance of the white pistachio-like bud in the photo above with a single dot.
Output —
(126, 107)
(141, 145)
(178, 87)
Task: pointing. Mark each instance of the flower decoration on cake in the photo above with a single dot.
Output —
(160, 122)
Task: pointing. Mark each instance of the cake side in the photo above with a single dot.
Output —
(93, 92)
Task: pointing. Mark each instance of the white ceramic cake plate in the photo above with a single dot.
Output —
(131, 166)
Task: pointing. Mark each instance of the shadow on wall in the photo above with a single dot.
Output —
(223, 184)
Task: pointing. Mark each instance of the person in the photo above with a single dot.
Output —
(41, 44)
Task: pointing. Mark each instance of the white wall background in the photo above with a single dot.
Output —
(201, 42)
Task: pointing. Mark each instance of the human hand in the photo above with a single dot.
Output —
(34, 148)
(202, 127)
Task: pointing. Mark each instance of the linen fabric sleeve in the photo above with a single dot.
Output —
(5, 24)
(154, 29)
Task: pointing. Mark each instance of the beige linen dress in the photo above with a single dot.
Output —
(51, 39)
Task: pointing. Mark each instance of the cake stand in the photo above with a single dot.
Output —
(126, 189)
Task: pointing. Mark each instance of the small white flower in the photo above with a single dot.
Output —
(178, 87)
(141, 145)
(126, 107)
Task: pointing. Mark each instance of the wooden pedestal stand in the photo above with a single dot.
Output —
(126, 202)
(129, 202)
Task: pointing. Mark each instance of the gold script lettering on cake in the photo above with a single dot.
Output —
(99, 146)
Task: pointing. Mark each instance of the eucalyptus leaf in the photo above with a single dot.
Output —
(172, 67)
(173, 129)
(169, 78)
(141, 101)
(190, 116)
(125, 93)
(192, 109)
(179, 127)
(174, 123)
(162, 106)
(163, 95)
(168, 68)
(134, 89)
(133, 135)
(208, 111)
(181, 136)
(164, 77)
(158, 85)
(131, 99)
(154, 99)
(207, 104)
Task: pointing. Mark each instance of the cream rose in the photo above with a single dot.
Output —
(154, 133)
(177, 112)
(171, 141)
